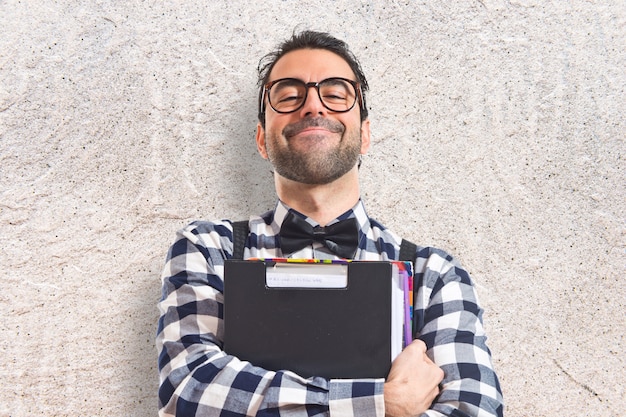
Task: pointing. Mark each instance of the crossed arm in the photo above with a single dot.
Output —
(199, 378)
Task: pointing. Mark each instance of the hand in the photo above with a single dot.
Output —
(413, 382)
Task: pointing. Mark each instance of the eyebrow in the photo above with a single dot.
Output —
(298, 80)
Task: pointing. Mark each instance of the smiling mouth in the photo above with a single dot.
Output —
(313, 130)
(312, 126)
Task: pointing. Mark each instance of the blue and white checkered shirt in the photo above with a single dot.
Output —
(197, 378)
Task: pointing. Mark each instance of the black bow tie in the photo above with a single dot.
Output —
(341, 238)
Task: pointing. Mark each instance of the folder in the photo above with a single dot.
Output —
(333, 319)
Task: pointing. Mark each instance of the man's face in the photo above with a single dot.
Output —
(312, 145)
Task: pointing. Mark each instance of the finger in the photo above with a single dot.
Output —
(434, 393)
(435, 371)
(419, 345)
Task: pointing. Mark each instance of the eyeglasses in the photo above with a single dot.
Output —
(288, 95)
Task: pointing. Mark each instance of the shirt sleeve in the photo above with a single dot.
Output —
(197, 378)
(449, 320)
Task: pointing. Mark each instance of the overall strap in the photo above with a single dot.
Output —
(407, 251)
(241, 230)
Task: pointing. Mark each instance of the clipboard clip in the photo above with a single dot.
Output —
(306, 275)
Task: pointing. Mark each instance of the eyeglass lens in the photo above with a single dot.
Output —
(290, 94)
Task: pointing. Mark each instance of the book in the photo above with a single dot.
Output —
(334, 319)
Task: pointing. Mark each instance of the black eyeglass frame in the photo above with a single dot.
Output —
(355, 84)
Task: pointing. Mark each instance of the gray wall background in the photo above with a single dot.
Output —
(498, 135)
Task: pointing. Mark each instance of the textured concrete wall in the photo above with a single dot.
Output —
(498, 131)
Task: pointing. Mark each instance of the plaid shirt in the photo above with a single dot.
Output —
(197, 378)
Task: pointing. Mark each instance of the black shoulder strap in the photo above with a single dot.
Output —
(241, 230)
(407, 251)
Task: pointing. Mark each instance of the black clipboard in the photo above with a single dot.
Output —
(327, 332)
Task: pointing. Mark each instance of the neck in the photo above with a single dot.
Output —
(321, 203)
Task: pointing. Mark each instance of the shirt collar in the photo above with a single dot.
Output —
(358, 211)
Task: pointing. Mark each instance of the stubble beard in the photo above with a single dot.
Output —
(314, 166)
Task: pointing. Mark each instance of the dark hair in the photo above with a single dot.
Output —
(310, 40)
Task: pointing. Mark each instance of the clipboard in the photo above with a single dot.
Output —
(333, 324)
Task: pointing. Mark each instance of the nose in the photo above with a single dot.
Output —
(312, 105)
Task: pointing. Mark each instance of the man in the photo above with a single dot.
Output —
(313, 128)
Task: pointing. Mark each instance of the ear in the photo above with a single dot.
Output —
(260, 140)
(365, 136)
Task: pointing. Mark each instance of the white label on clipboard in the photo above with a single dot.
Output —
(305, 275)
